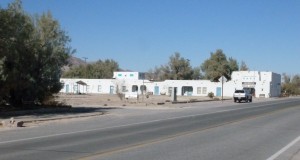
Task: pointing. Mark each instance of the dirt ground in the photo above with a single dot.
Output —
(116, 100)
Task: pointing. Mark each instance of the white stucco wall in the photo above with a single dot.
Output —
(93, 85)
(126, 75)
(265, 84)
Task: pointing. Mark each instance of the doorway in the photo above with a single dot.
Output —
(156, 90)
(218, 92)
(187, 91)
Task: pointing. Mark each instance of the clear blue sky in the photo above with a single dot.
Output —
(142, 34)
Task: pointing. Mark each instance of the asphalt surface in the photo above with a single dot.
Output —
(234, 131)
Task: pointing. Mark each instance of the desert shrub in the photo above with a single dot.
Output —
(211, 95)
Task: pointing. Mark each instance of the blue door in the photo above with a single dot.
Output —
(218, 91)
(156, 90)
(67, 88)
(111, 89)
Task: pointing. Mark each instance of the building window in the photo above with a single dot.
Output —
(124, 89)
(134, 88)
(170, 90)
(141, 75)
(187, 90)
(198, 90)
(131, 75)
(67, 88)
(143, 88)
(99, 88)
(120, 75)
(204, 90)
(75, 88)
(87, 88)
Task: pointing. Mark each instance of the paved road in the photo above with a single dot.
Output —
(234, 131)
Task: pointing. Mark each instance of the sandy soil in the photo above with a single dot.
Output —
(115, 100)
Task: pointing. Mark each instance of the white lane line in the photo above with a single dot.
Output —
(132, 124)
(277, 154)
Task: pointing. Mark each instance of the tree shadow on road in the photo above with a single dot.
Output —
(48, 112)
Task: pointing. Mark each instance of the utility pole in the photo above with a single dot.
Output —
(222, 79)
(85, 58)
(222, 87)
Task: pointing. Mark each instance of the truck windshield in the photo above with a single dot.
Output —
(239, 91)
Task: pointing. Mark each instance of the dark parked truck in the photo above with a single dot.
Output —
(242, 95)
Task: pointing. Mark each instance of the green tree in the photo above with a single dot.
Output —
(244, 67)
(150, 75)
(33, 51)
(296, 81)
(98, 70)
(290, 85)
(233, 65)
(159, 73)
(180, 67)
(289, 89)
(286, 78)
(218, 65)
(164, 72)
(104, 69)
(197, 73)
(296, 84)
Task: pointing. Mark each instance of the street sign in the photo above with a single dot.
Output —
(223, 79)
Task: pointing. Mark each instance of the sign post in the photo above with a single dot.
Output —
(222, 79)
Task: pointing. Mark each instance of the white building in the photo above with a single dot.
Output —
(128, 75)
(261, 84)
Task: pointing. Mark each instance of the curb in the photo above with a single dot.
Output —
(54, 118)
(195, 101)
(59, 118)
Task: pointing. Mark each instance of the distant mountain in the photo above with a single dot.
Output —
(73, 62)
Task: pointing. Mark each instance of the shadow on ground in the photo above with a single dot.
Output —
(48, 112)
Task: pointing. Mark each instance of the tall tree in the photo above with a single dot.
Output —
(216, 66)
(233, 64)
(180, 67)
(296, 80)
(16, 30)
(159, 73)
(104, 69)
(33, 50)
(244, 67)
(150, 75)
(197, 73)
(98, 70)
(290, 85)
(286, 78)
